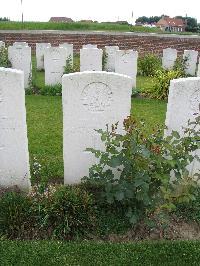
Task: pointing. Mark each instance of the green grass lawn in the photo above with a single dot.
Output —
(81, 26)
(78, 26)
(37, 253)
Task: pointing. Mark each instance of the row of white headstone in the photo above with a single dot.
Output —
(189, 56)
(91, 100)
(53, 60)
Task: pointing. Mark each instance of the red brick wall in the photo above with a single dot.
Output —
(143, 43)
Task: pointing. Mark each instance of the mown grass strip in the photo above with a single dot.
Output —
(87, 253)
(9, 25)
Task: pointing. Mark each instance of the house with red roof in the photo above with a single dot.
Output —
(172, 24)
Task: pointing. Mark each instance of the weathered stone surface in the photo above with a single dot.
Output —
(126, 63)
(191, 61)
(54, 63)
(91, 59)
(69, 51)
(14, 157)
(198, 71)
(183, 104)
(20, 44)
(2, 44)
(110, 52)
(40, 49)
(89, 46)
(20, 58)
(90, 101)
(169, 58)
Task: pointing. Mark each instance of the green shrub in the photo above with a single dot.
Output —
(104, 59)
(190, 210)
(54, 211)
(72, 67)
(162, 80)
(148, 65)
(180, 65)
(47, 90)
(14, 214)
(4, 61)
(51, 90)
(134, 170)
(65, 212)
(69, 65)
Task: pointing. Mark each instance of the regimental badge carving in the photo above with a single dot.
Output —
(195, 100)
(55, 55)
(97, 97)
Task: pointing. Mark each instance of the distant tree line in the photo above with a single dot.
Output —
(4, 19)
(148, 20)
(192, 24)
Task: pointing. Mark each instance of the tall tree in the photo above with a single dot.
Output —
(191, 23)
(4, 19)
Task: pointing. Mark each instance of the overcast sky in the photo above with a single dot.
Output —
(101, 10)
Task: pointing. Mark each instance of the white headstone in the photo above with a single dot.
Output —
(54, 63)
(110, 52)
(89, 46)
(169, 58)
(126, 63)
(20, 58)
(14, 157)
(198, 71)
(183, 104)
(20, 44)
(90, 101)
(69, 50)
(40, 49)
(191, 61)
(91, 59)
(2, 44)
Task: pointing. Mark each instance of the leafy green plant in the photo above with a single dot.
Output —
(190, 211)
(180, 65)
(135, 92)
(135, 170)
(46, 90)
(69, 65)
(39, 174)
(51, 90)
(162, 80)
(149, 64)
(54, 211)
(65, 211)
(14, 214)
(104, 59)
(72, 67)
(4, 61)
